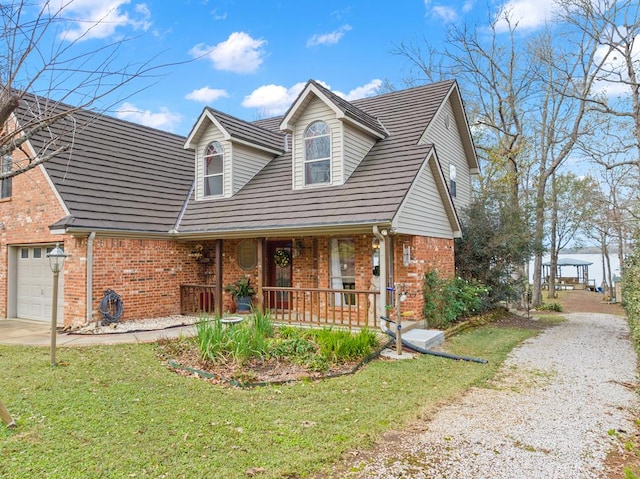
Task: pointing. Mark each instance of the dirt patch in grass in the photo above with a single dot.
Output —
(582, 301)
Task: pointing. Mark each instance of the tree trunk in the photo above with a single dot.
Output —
(553, 263)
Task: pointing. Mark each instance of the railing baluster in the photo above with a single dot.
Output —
(349, 308)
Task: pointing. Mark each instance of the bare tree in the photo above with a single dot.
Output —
(615, 26)
(496, 74)
(47, 76)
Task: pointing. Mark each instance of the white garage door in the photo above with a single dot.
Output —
(35, 285)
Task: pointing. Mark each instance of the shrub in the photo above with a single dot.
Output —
(447, 300)
(340, 345)
(240, 342)
(631, 294)
(557, 307)
(256, 338)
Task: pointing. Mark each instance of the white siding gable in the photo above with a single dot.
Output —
(423, 211)
(241, 162)
(317, 110)
(356, 146)
(245, 164)
(444, 133)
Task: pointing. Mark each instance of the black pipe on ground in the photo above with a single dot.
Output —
(440, 354)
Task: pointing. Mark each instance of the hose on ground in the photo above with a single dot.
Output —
(111, 307)
(440, 354)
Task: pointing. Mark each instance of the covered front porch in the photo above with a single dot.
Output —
(314, 281)
(348, 308)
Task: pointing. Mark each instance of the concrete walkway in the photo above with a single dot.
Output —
(24, 332)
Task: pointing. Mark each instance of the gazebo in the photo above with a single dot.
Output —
(578, 281)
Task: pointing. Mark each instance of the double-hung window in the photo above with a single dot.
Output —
(317, 154)
(213, 170)
(5, 183)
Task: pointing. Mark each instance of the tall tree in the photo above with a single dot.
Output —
(495, 74)
(571, 210)
(614, 25)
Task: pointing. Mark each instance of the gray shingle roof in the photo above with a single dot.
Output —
(125, 177)
(352, 111)
(372, 194)
(118, 175)
(249, 132)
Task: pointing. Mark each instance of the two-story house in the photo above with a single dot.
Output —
(323, 209)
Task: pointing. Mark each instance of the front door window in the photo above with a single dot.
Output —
(279, 275)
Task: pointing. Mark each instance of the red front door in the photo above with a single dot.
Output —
(279, 272)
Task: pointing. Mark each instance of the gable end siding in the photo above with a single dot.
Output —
(450, 150)
(247, 162)
(356, 146)
(315, 111)
(423, 213)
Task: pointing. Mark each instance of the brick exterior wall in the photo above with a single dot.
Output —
(147, 274)
(311, 267)
(427, 254)
(25, 219)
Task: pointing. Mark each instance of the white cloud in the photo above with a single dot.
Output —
(218, 16)
(206, 94)
(328, 38)
(239, 53)
(163, 120)
(272, 99)
(614, 79)
(468, 6)
(527, 14)
(276, 99)
(369, 89)
(445, 14)
(99, 18)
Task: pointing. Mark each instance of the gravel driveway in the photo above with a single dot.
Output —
(548, 415)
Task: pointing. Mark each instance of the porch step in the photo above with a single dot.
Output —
(424, 338)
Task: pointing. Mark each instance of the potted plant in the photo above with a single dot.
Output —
(242, 291)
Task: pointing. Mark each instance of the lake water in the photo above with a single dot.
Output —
(595, 269)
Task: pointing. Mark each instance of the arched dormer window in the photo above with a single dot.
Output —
(213, 170)
(317, 154)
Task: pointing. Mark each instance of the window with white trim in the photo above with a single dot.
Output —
(213, 166)
(343, 270)
(317, 154)
(5, 184)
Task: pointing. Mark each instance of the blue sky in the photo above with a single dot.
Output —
(251, 58)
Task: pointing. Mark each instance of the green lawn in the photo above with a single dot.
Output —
(116, 411)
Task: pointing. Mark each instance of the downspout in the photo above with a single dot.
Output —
(383, 275)
(89, 304)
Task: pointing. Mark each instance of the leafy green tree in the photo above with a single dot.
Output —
(495, 239)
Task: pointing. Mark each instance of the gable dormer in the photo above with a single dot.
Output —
(330, 137)
(228, 153)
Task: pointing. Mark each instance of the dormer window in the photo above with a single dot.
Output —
(317, 154)
(213, 170)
